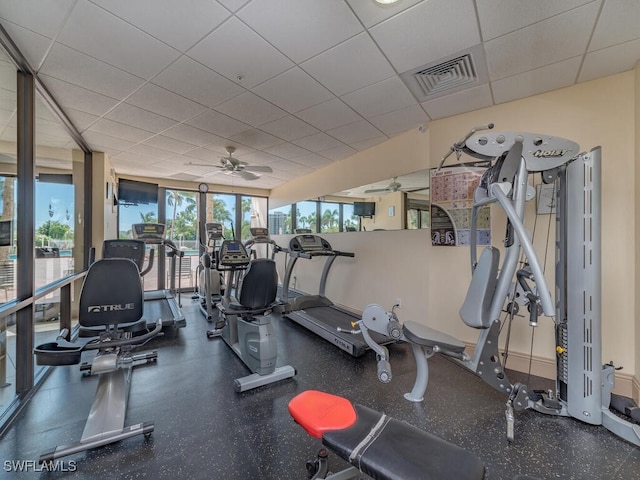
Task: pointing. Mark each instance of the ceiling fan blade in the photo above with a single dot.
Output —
(258, 168)
(192, 164)
(377, 190)
(247, 175)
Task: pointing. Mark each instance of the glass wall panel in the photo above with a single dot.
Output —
(221, 208)
(350, 222)
(280, 220)
(254, 214)
(182, 229)
(329, 217)
(306, 216)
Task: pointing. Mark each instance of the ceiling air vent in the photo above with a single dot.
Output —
(454, 73)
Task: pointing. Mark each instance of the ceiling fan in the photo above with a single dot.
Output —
(232, 166)
(394, 186)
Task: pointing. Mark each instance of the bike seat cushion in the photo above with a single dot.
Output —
(319, 412)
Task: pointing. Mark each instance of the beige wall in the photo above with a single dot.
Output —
(104, 216)
(432, 281)
(382, 220)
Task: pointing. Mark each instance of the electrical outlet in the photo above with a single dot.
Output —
(398, 302)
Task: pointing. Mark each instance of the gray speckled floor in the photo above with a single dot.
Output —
(203, 429)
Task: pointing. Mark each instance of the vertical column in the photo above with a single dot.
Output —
(25, 230)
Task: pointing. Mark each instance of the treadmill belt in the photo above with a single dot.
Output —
(155, 309)
(334, 317)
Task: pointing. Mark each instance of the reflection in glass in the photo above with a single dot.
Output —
(329, 217)
(221, 208)
(306, 216)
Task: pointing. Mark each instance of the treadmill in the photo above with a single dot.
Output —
(158, 304)
(316, 312)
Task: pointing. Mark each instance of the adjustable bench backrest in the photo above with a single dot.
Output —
(475, 310)
(111, 293)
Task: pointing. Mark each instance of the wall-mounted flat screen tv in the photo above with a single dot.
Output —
(131, 192)
(364, 209)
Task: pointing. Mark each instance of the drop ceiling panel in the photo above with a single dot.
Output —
(543, 79)
(233, 5)
(49, 19)
(120, 130)
(79, 69)
(32, 45)
(318, 142)
(371, 13)
(365, 144)
(550, 41)
(151, 153)
(80, 120)
(619, 22)
(71, 96)
(289, 128)
(169, 144)
(137, 117)
(251, 109)
(106, 143)
(251, 58)
(104, 36)
(465, 101)
(163, 102)
(338, 153)
(191, 135)
(313, 160)
(255, 138)
(287, 150)
(419, 35)
(333, 113)
(401, 120)
(196, 82)
(293, 90)
(609, 61)
(382, 97)
(353, 64)
(179, 24)
(498, 17)
(218, 124)
(355, 132)
(311, 26)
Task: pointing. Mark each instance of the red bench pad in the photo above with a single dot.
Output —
(318, 412)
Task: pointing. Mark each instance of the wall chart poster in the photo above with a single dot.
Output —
(451, 190)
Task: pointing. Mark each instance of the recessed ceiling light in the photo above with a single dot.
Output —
(386, 2)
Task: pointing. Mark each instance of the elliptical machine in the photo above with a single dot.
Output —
(210, 280)
(246, 323)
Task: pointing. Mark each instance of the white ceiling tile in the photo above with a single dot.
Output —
(363, 145)
(80, 120)
(196, 82)
(79, 69)
(550, 41)
(543, 79)
(401, 120)
(71, 96)
(106, 143)
(312, 160)
(619, 22)
(311, 26)
(251, 57)
(33, 46)
(420, 34)
(120, 130)
(256, 139)
(383, 97)
(338, 153)
(48, 21)
(191, 135)
(333, 113)
(609, 61)
(179, 24)
(372, 12)
(287, 150)
(349, 66)
(137, 117)
(251, 109)
(355, 132)
(473, 98)
(289, 128)
(200, 155)
(98, 33)
(293, 90)
(163, 102)
(317, 142)
(170, 144)
(218, 124)
(498, 17)
(150, 152)
(233, 5)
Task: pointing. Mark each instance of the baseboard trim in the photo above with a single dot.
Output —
(626, 384)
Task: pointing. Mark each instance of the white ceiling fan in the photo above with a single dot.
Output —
(394, 186)
(232, 166)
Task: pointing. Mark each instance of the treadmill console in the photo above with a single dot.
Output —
(214, 230)
(259, 235)
(150, 233)
(309, 244)
(233, 255)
